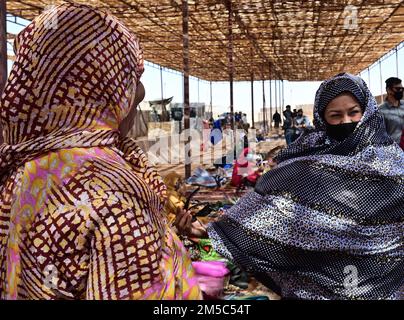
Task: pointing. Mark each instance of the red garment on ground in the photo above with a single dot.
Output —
(242, 166)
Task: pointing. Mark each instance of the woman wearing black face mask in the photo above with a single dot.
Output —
(342, 115)
(327, 223)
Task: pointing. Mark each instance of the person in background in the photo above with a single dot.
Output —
(276, 119)
(288, 124)
(216, 134)
(301, 123)
(244, 118)
(237, 117)
(392, 108)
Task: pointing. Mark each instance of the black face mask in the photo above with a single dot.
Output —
(342, 131)
(398, 95)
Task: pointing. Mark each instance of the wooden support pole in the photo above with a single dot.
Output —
(231, 66)
(198, 92)
(283, 94)
(397, 62)
(381, 81)
(270, 99)
(3, 52)
(276, 95)
(3, 46)
(161, 84)
(231, 74)
(252, 100)
(264, 109)
(211, 105)
(185, 41)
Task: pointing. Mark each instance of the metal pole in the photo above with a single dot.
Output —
(198, 91)
(283, 94)
(264, 107)
(381, 82)
(211, 107)
(252, 99)
(3, 46)
(185, 41)
(231, 72)
(231, 67)
(3, 52)
(270, 99)
(161, 84)
(397, 62)
(276, 96)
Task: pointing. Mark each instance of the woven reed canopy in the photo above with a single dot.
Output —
(300, 40)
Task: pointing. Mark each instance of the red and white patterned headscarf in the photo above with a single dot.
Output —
(71, 83)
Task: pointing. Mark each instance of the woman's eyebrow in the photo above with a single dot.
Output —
(355, 106)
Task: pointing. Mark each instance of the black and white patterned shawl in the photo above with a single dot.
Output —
(328, 222)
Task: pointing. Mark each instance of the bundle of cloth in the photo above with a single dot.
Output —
(245, 170)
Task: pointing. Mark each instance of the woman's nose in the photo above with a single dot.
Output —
(346, 119)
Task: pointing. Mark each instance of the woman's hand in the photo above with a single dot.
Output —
(186, 227)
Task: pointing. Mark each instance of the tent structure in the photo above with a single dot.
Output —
(229, 40)
(301, 40)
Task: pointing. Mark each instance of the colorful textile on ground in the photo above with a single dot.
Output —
(328, 222)
(245, 168)
(207, 252)
(80, 208)
(175, 199)
(200, 177)
(211, 277)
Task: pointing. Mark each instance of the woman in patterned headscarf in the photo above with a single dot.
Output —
(80, 206)
(328, 222)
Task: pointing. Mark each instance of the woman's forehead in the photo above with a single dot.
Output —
(342, 101)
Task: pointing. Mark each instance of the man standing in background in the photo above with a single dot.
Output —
(393, 108)
(277, 119)
(288, 125)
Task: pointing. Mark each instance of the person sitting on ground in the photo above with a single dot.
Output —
(81, 208)
(301, 123)
(327, 222)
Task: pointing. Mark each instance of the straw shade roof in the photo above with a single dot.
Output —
(291, 40)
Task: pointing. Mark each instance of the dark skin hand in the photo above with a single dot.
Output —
(186, 227)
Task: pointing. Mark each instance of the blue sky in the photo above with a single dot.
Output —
(296, 93)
